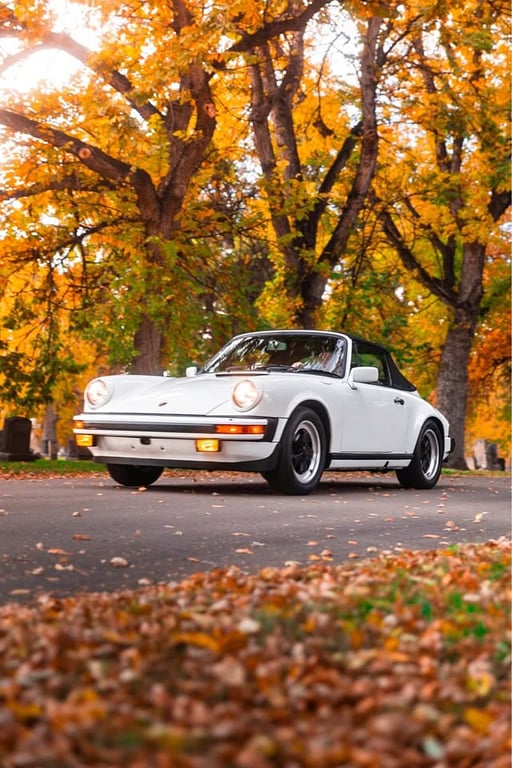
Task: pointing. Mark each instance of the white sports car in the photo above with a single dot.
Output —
(287, 404)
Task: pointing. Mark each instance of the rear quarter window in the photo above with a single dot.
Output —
(364, 354)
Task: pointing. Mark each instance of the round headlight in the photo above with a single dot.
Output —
(97, 393)
(246, 395)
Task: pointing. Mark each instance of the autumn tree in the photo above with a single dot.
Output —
(130, 143)
(315, 139)
(489, 407)
(443, 186)
(100, 140)
(205, 170)
(44, 358)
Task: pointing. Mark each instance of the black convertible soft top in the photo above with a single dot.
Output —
(398, 380)
(397, 377)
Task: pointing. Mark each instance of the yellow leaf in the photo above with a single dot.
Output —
(25, 712)
(478, 719)
(200, 639)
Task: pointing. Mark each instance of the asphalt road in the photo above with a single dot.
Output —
(64, 536)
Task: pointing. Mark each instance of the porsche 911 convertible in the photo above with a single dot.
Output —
(287, 404)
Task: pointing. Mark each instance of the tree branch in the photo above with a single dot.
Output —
(369, 146)
(92, 157)
(435, 285)
(499, 203)
(64, 42)
(70, 183)
(252, 40)
(311, 222)
(115, 79)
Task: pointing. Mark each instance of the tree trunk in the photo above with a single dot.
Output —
(49, 440)
(452, 378)
(148, 343)
(452, 385)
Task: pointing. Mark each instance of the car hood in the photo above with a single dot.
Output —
(197, 395)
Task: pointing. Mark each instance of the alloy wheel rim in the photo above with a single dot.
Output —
(430, 454)
(306, 451)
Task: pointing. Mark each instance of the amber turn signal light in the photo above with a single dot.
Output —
(85, 441)
(209, 445)
(240, 429)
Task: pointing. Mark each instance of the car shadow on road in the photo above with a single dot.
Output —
(356, 483)
(253, 485)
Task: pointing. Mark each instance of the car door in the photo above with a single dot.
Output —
(374, 416)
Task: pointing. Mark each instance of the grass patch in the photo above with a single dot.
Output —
(62, 467)
(49, 467)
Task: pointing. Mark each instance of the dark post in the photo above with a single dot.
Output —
(15, 440)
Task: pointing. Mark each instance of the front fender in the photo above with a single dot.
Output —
(283, 394)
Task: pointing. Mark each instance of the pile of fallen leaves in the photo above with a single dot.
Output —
(396, 662)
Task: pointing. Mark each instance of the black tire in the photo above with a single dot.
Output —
(133, 475)
(302, 454)
(424, 470)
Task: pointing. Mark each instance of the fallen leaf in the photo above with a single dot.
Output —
(400, 660)
(119, 562)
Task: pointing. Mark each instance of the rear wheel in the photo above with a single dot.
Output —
(133, 475)
(301, 454)
(424, 470)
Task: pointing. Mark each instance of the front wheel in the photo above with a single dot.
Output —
(301, 454)
(424, 470)
(133, 475)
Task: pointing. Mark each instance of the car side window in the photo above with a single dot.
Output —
(366, 354)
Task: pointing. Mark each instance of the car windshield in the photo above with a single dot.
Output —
(305, 353)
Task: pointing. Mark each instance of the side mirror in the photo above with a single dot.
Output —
(363, 374)
(191, 371)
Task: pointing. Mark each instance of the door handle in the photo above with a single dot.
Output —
(399, 401)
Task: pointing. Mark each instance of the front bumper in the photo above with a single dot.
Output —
(173, 441)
